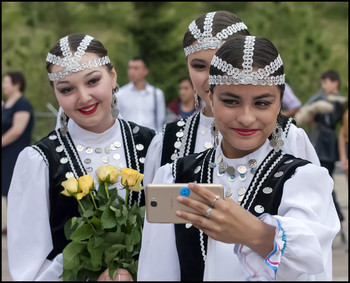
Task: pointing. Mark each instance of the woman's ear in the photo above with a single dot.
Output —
(114, 77)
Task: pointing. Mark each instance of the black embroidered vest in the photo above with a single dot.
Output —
(55, 148)
(263, 196)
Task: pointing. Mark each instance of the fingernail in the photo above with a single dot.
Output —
(179, 198)
(178, 212)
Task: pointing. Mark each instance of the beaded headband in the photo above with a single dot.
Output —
(247, 76)
(205, 39)
(71, 64)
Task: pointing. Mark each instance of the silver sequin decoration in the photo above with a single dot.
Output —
(198, 168)
(278, 174)
(228, 192)
(105, 159)
(117, 144)
(203, 132)
(288, 161)
(112, 147)
(116, 156)
(136, 129)
(142, 159)
(52, 137)
(69, 175)
(89, 150)
(173, 156)
(121, 165)
(177, 144)
(180, 134)
(259, 208)
(219, 159)
(64, 160)
(107, 150)
(188, 225)
(208, 145)
(98, 150)
(59, 148)
(267, 190)
(242, 169)
(139, 147)
(80, 147)
(240, 198)
(180, 123)
(242, 191)
(87, 161)
(89, 169)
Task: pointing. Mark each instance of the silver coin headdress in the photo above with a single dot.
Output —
(206, 40)
(71, 63)
(246, 75)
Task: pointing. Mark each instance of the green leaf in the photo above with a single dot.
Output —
(71, 254)
(95, 252)
(82, 233)
(112, 252)
(108, 219)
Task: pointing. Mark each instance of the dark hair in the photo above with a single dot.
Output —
(332, 75)
(185, 79)
(74, 40)
(17, 78)
(264, 53)
(141, 59)
(222, 19)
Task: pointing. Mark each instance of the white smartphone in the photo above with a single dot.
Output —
(161, 203)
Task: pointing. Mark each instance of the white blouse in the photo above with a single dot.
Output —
(29, 234)
(297, 143)
(306, 225)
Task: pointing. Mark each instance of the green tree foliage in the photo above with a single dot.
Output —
(311, 37)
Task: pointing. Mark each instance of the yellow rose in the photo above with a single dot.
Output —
(86, 183)
(108, 170)
(70, 186)
(131, 178)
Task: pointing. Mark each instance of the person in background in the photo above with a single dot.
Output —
(17, 124)
(290, 103)
(90, 135)
(323, 135)
(140, 102)
(185, 105)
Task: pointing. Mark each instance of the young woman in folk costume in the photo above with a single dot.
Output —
(84, 82)
(203, 37)
(277, 220)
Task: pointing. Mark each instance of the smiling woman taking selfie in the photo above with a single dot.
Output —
(277, 220)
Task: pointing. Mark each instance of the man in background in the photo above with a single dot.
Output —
(140, 102)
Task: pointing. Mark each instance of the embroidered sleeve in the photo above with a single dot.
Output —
(257, 268)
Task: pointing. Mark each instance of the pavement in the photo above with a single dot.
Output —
(340, 248)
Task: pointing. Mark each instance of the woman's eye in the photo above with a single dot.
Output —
(229, 101)
(198, 66)
(93, 81)
(65, 90)
(263, 103)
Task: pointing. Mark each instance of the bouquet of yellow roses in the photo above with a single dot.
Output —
(108, 232)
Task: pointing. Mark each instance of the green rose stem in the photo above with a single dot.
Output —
(127, 193)
(81, 205)
(106, 189)
(93, 199)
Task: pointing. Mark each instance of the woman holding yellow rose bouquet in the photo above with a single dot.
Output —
(91, 135)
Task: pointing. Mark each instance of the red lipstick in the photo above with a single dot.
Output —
(245, 132)
(92, 107)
